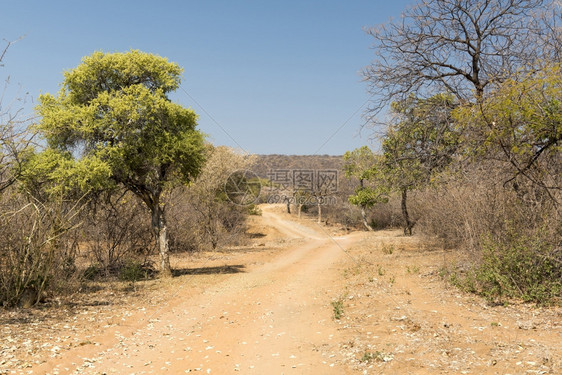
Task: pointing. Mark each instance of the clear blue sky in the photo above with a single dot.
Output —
(277, 76)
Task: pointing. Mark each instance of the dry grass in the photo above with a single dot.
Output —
(399, 306)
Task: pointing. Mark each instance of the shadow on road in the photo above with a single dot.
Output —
(227, 269)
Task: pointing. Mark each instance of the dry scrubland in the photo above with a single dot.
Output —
(469, 162)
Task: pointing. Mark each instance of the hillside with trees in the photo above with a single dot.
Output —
(336, 205)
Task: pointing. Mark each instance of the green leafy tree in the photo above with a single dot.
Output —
(519, 127)
(113, 115)
(361, 164)
(419, 144)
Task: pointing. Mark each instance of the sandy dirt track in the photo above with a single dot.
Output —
(273, 319)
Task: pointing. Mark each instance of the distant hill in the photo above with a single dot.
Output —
(267, 163)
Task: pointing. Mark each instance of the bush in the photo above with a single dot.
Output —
(92, 272)
(115, 230)
(254, 210)
(510, 236)
(201, 216)
(133, 271)
(202, 222)
(388, 215)
(522, 266)
(37, 248)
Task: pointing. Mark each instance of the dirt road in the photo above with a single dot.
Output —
(271, 319)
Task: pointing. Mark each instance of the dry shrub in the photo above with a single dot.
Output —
(199, 222)
(386, 215)
(182, 222)
(116, 232)
(38, 245)
(380, 216)
(344, 214)
(201, 216)
(41, 243)
(512, 234)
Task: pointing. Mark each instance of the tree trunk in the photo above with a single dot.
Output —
(363, 213)
(319, 212)
(364, 217)
(288, 205)
(161, 232)
(407, 223)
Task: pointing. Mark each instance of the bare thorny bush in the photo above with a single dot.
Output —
(51, 247)
(116, 234)
(35, 241)
(15, 136)
(201, 216)
(380, 216)
(38, 246)
(512, 238)
(203, 223)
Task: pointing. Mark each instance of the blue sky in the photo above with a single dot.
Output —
(267, 76)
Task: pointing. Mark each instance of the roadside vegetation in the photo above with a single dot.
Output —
(472, 149)
(469, 152)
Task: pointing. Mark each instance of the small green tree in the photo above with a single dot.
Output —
(113, 114)
(361, 164)
(420, 143)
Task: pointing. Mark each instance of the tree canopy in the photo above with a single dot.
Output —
(474, 93)
(520, 127)
(363, 165)
(114, 115)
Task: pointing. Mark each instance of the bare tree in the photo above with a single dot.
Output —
(14, 134)
(551, 39)
(459, 46)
